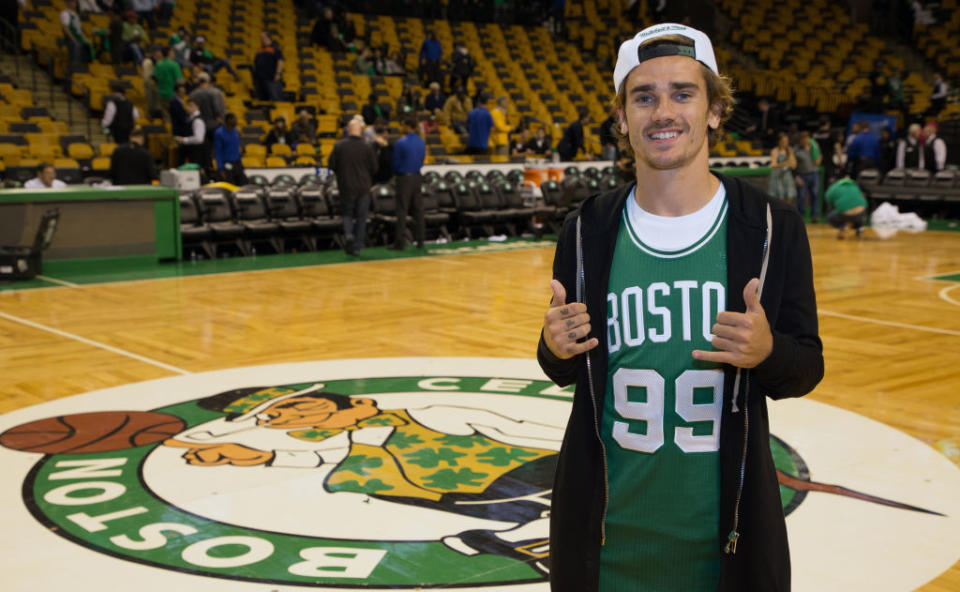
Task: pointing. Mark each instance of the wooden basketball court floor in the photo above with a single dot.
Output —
(890, 325)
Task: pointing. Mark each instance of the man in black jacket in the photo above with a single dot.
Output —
(354, 164)
(692, 301)
(572, 141)
(131, 163)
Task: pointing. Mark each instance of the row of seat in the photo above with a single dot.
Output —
(914, 189)
(286, 215)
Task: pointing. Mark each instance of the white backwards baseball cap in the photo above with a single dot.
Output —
(631, 54)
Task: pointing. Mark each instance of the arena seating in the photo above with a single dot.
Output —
(914, 190)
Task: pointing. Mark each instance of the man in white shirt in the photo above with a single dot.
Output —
(191, 147)
(938, 98)
(46, 178)
(934, 155)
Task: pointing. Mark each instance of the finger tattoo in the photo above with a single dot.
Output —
(564, 311)
(572, 335)
(571, 323)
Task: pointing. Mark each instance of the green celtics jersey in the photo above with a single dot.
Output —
(661, 410)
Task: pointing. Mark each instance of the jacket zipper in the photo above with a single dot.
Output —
(734, 536)
(581, 281)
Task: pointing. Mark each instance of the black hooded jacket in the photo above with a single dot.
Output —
(751, 535)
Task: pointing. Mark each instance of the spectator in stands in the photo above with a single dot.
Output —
(823, 136)
(373, 112)
(179, 118)
(408, 156)
(462, 66)
(934, 149)
(363, 63)
(520, 146)
(848, 207)
(191, 147)
(428, 124)
(278, 134)
(144, 9)
(608, 142)
(888, 150)
(167, 73)
(213, 108)
(500, 138)
(180, 43)
(203, 57)
(807, 153)
(226, 149)
(410, 100)
(393, 64)
(304, 129)
(354, 164)
(431, 52)
(134, 38)
(766, 124)
(895, 98)
(782, 161)
(456, 109)
(131, 163)
(863, 152)
(878, 87)
(46, 178)
(10, 12)
(115, 37)
(267, 69)
(326, 32)
(165, 10)
(938, 98)
(149, 82)
(479, 124)
(540, 144)
(434, 100)
(78, 47)
(572, 141)
(119, 114)
(910, 150)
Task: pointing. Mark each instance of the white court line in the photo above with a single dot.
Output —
(841, 315)
(944, 294)
(109, 348)
(47, 278)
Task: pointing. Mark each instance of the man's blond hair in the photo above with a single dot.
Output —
(719, 92)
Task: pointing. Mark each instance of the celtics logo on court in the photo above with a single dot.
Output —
(327, 479)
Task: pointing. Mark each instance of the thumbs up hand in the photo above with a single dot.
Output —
(742, 338)
(564, 324)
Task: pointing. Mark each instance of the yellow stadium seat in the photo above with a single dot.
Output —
(304, 149)
(281, 150)
(276, 162)
(10, 154)
(306, 160)
(107, 148)
(80, 151)
(255, 150)
(46, 153)
(66, 163)
(253, 161)
(101, 163)
(52, 127)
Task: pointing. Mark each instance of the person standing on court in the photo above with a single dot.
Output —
(408, 155)
(131, 163)
(680, 303)
(479, 124)
(354, 163)
(119, 115)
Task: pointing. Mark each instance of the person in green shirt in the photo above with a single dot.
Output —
(166, 72)
(848, 207)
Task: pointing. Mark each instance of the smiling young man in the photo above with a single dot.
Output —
(691, 302)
